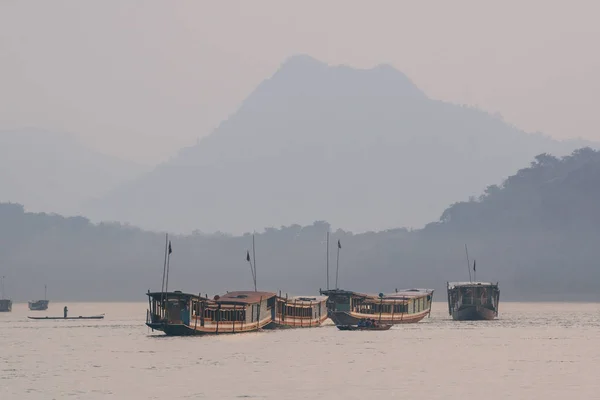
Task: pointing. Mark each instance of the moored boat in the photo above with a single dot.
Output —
(5, 304)
(472, 301)
(402, 307)
(182, 314)
(40, 305)
(299, 312)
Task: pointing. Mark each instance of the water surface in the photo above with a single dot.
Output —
(534, 351)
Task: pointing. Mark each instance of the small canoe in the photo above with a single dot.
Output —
(363, 328)
(80, 317)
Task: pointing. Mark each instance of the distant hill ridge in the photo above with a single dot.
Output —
(52, 172)
(536, 234)
(364, 149)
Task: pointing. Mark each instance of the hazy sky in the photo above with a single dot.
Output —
(141, 79)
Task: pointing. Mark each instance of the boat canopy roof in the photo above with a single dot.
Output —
(453, 285)
(243, 297)
(174, 295)
(403, 294)
(305, 299)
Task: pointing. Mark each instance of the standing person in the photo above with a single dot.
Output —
(65, 311)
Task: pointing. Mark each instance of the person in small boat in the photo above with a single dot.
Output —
(368, 324)
(65, 311)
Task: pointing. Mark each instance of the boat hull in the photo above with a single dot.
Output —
(290, 323)
(69, 318)
(473, 313)
(362, 328)
(348, 318)
(173, 329)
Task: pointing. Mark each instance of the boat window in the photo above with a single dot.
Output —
(342, 299)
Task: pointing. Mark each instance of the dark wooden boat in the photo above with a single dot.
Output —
(40, 305)
(473, 301)
(5, 304)
(363, 328)
(101, 316)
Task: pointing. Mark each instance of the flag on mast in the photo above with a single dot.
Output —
(170, 249)
(339, 244)
(248, 255)
(474, 270)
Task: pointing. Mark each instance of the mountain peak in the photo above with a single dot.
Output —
(304, 76)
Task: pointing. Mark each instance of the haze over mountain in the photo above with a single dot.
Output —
(363, 149)
(52, 172)
(536, 234)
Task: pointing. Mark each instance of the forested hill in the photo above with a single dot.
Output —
(536, 233)
(553, 194)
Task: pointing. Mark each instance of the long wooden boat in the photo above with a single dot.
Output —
(182, 314)
(101, 316)
(364, 328)
(402, 307)
(299, 312)
(473, 301)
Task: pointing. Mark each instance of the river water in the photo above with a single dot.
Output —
(533, 351)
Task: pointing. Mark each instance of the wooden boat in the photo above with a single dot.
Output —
(181, 314)
(473, 301)
(39, 305)
(5, 304)
(101, 316)
(364, 328)
(402, 307)
(299, 312)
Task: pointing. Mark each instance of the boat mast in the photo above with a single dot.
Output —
(168, 266)
(327, 244)
(45, 293)
(337, 268)
(2, 288)
(254, 259)
(468, 263)
(162, 287)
